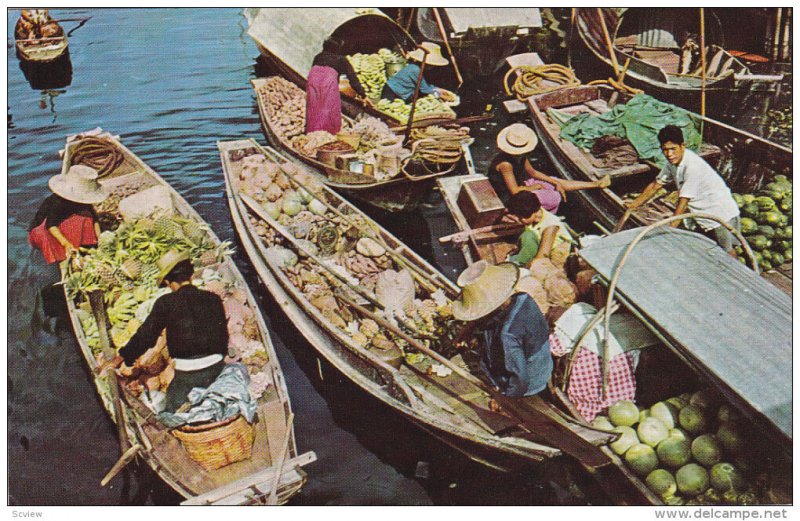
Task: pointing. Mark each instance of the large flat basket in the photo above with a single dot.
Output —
(215, 445)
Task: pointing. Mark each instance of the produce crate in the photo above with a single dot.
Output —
(479, 203)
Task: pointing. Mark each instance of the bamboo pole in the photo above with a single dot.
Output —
(416, 95)
(607, 37)
(702, 65)
(447, 44)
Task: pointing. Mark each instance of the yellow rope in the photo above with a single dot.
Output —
(529, 81)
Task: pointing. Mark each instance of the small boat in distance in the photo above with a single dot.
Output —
(39, 38)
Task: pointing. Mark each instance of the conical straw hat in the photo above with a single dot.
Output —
(168, 261)
(434, 54)
(484, 288)
(78, 185)
(517, 139)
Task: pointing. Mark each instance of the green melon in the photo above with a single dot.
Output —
(706, 399)
(693, 419)
(674, 501)
(692, 479)
(651, 431)
(666, 413)
(680, 433)
(627, 439)
(724, 477)
(727, 413)
(674, 452)
(732, 437)
(677, 402)
(706, 450)
(662, 483)
(643, 415)
(641, 459)
(624, 413)
(601, 422)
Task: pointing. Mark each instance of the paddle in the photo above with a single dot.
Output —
(272, 499)
(100, 316)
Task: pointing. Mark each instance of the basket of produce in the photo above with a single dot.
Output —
(328, 152)
(351, 138)
(215, 445)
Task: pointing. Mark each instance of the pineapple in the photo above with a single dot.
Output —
(208, 258)
(194, 231)
(148, 271)
(106, 274)
(132, 268)
(168, 227)
(146, 224)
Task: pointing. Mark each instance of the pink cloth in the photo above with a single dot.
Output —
(548, 196)
(77, 229)
(323, 102)
(586, 380)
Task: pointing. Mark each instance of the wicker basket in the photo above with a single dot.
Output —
(215, 445)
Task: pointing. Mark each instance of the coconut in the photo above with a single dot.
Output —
(692, 479)
(643, 415)
(706, 450)
(724, 477)
(693, 419)
(727, 413)
(662, 483)
(706, 399)
(673, 452)
(626, 440)
(601, 422)
(369, 247)
(732, 437)
(679, 433)
(651, 431)
(666, 413)
(642, 459)
(623, 413)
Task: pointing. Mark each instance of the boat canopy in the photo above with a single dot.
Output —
(463, 18)
(731, 325)
(294, 36)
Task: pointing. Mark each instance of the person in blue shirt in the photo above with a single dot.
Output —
(403, 84)
(517, 338)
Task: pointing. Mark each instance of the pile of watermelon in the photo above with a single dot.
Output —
(767, 223)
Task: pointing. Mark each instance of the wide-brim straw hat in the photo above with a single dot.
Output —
(78, 185)
(168, 261)
(434, 54)
(517, 139)
(484, 289)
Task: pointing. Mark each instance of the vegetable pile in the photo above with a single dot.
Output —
(766, 220)
(346, 249)
(691, 449)
(124, 266)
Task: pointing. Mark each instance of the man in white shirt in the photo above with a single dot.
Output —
(700, 188)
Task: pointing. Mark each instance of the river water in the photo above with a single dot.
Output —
(171, 82)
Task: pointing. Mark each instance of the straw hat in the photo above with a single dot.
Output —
(517, 139)
(168, 261)
(434, 54)
(484, 288)
(78, 185)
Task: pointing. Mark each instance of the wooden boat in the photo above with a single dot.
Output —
(399, 193)
(274, 451)
(651, 40)
(452, 408)
(480, 38)
(42, 50)
(289, 38)
(747, 160)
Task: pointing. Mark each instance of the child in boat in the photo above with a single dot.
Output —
(545, 235)
(514, 168)
(66, 220)
(323, 100)
(403, 84)
(517, 357)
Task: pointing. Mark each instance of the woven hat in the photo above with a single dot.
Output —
(434, 54)
(517, 139)
(484, 288)
(168, 261)
(78, 185)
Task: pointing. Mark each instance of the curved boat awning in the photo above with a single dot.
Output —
(732, 326)
(294, 36)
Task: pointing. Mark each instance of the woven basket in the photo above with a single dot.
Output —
(215, 445)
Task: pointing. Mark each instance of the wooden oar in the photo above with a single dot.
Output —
(623, 220)
(272, 499)
(541, 425)
(416, 95)
(99, 311)
(420, 123)
(500, 229)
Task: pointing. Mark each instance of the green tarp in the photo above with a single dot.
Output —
(638, 121)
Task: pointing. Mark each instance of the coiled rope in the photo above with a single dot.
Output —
(530, 78)
(98, 153)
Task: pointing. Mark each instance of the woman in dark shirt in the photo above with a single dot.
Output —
(66, 220)
(197, 331)
(323, 101)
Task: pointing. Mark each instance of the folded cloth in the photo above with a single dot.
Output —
(586, 381)
(227, 397)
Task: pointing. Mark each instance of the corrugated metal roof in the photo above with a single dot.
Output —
(732, 324)
(462, 18)
(295, 35)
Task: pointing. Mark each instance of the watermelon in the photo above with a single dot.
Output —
(750, 210)
(749, 226)
(777, 259)
(757, 242)
(767, 231)
(769, 217)
(787, 255)
(765, 203)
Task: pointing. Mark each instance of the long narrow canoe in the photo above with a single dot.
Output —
(244, 482)
(42, 50)
(448, 405)
(399, 193)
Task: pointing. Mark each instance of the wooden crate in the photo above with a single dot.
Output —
(479, 203)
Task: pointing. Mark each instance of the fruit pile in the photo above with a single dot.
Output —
(766, 220)
(428, 106)
(691, 449)
(371, 72)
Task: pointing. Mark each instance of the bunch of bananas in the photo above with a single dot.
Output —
(371, 72)
(427, 106)
(389, 56)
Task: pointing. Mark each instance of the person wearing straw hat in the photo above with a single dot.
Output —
(196, 325)
(512, 165)
(66, 220)
(517, 338)
(403, 84)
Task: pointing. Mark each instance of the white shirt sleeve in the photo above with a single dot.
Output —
(666, 175)
(691, 184)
